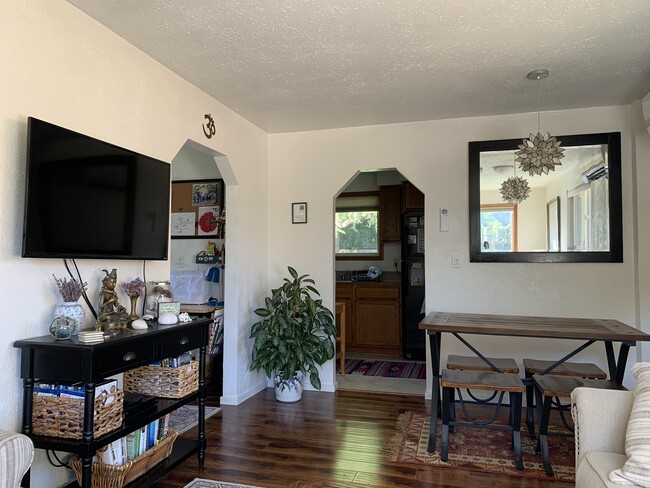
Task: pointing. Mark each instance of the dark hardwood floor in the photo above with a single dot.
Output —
(325, 441)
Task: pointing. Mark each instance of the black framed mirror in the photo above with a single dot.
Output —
(589, 218)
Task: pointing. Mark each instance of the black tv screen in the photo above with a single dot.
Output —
(86, 198)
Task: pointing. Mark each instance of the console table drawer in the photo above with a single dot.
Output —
(126, 356)
(182, 340)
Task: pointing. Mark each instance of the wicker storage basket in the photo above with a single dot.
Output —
(103, 475)
(64, 417)
(107, 476)
(163, 381)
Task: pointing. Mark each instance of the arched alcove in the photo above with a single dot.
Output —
(195, 161)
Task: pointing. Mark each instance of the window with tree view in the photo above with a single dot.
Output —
(499, 228)
(357, 226)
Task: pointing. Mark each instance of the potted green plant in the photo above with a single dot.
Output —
(294, 336)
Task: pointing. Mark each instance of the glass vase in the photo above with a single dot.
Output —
(74, 311)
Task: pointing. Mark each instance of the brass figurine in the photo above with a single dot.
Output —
(112, 315)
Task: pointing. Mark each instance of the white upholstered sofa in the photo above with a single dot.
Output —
(16, 455)
(601, 418)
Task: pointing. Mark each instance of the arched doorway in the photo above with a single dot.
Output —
(379, 270)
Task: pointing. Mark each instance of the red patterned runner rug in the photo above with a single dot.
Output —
(386, 369)
(485, 450)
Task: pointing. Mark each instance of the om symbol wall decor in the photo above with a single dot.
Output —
(209, 128)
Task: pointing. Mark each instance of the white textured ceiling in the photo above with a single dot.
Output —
(291, 65)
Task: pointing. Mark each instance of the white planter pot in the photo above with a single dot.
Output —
(289, 391)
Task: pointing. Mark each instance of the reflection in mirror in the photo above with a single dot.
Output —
(571, 214)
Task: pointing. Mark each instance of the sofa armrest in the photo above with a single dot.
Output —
(16, 455)
(600, 418)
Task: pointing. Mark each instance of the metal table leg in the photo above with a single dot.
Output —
(434, 344)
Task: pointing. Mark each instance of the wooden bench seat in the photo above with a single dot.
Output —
(474, 363)
(539, 366)
(547, 387)
(581, 370)
(481, 380)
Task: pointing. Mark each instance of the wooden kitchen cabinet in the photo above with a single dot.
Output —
(390, 211)
(412, 198)
(374, 310)
(376, 323)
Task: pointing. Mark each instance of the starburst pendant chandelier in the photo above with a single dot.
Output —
(539, 153)
(515, 189)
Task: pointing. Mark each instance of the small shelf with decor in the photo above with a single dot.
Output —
(45, 359)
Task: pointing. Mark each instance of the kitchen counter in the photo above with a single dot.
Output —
(390, 277)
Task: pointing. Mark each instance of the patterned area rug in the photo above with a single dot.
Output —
(187, 417)
(386, 369)
(483, 450)
(201, 483)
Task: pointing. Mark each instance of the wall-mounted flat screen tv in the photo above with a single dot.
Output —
(85, 198)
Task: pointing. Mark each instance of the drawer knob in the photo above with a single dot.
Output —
(129, 356)
(184, 340)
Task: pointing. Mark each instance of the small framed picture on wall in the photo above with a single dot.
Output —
(299, 213)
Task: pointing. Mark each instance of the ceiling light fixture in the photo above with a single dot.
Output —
(515, 189)
(539, 153)
(502, 168)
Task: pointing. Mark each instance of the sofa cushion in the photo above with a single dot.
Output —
(637, 439)
(16, 455)
(594, 469)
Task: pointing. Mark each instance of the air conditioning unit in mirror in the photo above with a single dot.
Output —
(595, 173)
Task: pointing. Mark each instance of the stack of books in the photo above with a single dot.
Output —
(91, 336)
(104, 388)
(136, 443)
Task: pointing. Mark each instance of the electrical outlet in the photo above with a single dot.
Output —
(180, 260)
(396, 262)
(455, 260)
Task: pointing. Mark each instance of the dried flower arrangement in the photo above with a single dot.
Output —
(134, 288)
(70, 290)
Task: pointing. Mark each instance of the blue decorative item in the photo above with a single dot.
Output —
(62, 328)
(213, 274)
(374, 272)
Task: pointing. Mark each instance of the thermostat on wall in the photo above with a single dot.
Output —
(444, 220)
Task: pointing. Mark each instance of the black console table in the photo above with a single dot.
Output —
(48, 360)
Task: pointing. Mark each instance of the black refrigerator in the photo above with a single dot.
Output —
(413, 339)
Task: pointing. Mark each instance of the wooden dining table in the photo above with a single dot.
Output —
(589, 331)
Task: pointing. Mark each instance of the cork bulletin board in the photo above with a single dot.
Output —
(197, 207)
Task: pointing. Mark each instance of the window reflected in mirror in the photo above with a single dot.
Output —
(571, 214)
(499, 227)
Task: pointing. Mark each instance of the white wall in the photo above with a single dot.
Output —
(641, 222)
(62, 66)
(433, 156)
